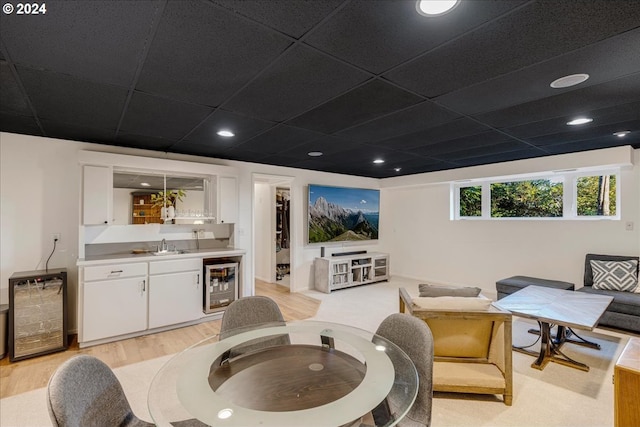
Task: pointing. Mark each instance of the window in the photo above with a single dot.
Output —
(596, 195)
(527, 199)
(569, 195)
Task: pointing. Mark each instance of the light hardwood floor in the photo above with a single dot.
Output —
(30, 374)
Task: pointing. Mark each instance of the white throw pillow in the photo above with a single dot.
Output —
(480, 303)
(615, 275)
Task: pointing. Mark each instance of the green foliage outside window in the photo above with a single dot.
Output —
(525, 199)
(597, 195)
(471, 201)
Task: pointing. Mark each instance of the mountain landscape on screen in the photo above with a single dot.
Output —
(352, 216)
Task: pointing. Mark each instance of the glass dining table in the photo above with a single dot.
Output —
(301, 373)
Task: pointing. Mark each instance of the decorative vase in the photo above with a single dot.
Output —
(171, 212)
(163, 212)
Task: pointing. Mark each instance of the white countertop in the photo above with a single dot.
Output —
(145, 257)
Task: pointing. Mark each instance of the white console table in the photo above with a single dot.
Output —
(344, 271)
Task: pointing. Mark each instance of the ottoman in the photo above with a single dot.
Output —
(515, 283)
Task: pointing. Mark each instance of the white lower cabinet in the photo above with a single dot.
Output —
(114, 307)
(175, 298)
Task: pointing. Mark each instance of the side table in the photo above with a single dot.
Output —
(626, 378)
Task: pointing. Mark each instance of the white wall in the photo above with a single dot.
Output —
(425, 244)
(263, 230)
(40, 190)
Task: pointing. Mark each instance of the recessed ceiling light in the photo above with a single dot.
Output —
(378, 161)
(435, 7)
(622, 133)
(226, 133)
(580, 121)
(568, 81)
(145, 184)
(314, 153)
(397, 169)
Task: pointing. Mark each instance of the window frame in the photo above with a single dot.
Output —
(569, 181)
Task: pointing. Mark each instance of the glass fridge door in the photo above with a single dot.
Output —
(221, 286)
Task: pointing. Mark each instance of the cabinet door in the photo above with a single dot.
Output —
(227, 200)
(114, 307)
(175, 298)
(96, 195)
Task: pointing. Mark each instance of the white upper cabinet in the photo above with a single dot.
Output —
(227, 200)
(97, 193)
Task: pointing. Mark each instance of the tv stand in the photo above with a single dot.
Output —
(345, 271)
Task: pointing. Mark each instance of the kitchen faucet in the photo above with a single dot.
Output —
(163, 247)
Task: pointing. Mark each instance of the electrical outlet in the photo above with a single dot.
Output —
(628, 226)
(56, 237)
(201, 234)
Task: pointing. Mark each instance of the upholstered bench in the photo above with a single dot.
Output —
(515, 283)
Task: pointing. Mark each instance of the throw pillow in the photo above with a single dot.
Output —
(615, 275)
(480, 303)
(427, 290)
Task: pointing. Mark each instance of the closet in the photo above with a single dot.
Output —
(282, 233)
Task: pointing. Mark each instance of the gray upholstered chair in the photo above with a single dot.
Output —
(85, 392)
(249, 312)
(413, 336)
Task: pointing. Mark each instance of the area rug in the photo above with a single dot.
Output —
(556, 396)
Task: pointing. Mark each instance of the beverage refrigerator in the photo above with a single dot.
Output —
(221, 284)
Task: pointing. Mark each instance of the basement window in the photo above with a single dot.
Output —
(565, 195)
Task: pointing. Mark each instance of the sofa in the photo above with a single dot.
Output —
(472, 343)
(624, 310)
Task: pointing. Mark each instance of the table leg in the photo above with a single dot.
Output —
(550, 350)
(563, 335)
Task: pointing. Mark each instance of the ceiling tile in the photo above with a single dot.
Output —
(526, 153)
(144, 142)
(441, 150)
(211, 52)
(163, 118)
(378, 35)
(293, 17)
(449, 131)
(373, 99)
(58, 97)
(13, 99)
(539, 31)
(280, 138)
(410, 120)
(325, 144)
(299, 80)
(19, 124)
(56, 129)
(100, 41)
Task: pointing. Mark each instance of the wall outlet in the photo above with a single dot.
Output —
(628, 226)
(56, 237)
(201, 234)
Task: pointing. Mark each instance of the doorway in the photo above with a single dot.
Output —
(273, 230)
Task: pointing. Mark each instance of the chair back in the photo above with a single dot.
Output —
(252, 311)
(85, 392)
(413, 336)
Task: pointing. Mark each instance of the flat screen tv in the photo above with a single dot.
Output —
(338, 214)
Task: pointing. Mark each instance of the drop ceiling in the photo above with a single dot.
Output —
(355, 80)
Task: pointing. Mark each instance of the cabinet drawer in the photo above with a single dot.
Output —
(114, 271)
(174, 266)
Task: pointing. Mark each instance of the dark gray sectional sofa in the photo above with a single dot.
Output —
(624, 310)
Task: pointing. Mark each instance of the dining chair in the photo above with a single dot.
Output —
(414, 337)
(252, 311)
(84, 391)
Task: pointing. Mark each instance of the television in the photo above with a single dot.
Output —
(339, 214)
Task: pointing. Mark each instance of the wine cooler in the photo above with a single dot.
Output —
(221, 284)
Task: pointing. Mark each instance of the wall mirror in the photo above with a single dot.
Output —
(159, 198)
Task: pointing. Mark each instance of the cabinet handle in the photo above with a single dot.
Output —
(198, 280)
(116, 271)
(144, 285)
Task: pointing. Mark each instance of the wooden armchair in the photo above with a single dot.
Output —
(472, 349)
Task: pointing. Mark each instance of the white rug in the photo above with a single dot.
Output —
(556, 396)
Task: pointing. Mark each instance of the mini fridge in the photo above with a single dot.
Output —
(221, 284)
